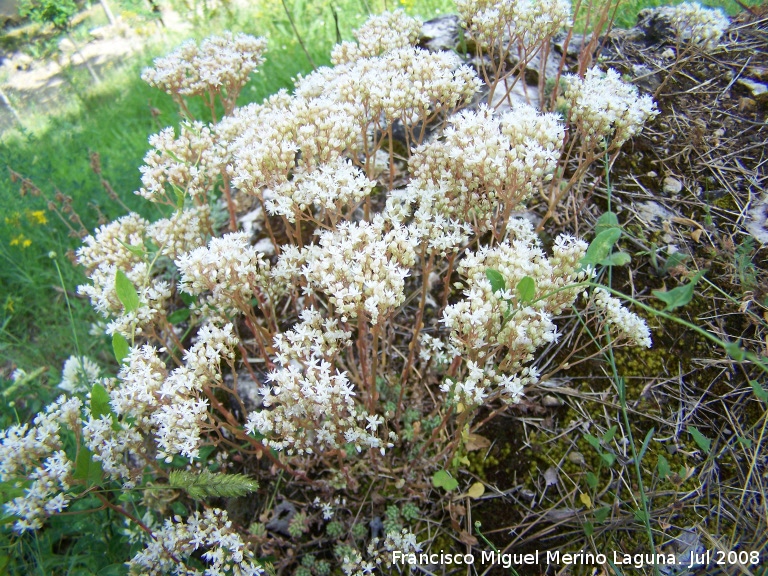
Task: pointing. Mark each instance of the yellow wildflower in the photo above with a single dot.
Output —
(37, 216)
(21, 241)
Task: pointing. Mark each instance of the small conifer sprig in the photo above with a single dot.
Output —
(206, 483)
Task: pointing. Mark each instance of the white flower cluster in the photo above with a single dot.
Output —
(79, 374)
(111, 446)
(525, 21)
(312, 409)
(172, 406)
(380, 553)
(329, 189)
(499, 329)
(36, 454)
(694, 23)
(379, 34)
(118, 246)
(423, 208)
(187, 165)
(184, 231)
(220, 62)
(607, 109)
(211, 533)
(228, 272)
(626, 324)
(372, 279)
(314, 337)
(483, 161)
(345, 110)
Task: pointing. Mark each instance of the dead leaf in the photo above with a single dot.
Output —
(586, 500)
(696, 235)
(457, 510)
(476, 490)
(467, 538)
(551, 476)
(577, 458)
(476, 442)
(687, 222)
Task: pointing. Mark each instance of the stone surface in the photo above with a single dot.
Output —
(440, 33)
(672, 185)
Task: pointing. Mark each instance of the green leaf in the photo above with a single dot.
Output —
(606, 221)
(675, 259)
(647, 441)
(601, 246)
(602, 513)
(113, 570)
(616, 259)
(746, 442)
(702, 441)
(178, 316)
(443, 479)
(591, 479)
(679, 296)
(594, 442)
(662, 465)
(205, 483)
(608, 458)
(760, 392)
(589, 529)
(641, 515)
(120, 347)
(126, 292)
(496, 279)
(526, 289)
(609, 434)
(186, 298)
(179, 508)
(735, 351)
(100, 401)
(86, 468)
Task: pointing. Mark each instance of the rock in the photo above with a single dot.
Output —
(758, 72)
(755, 88)
(66, 46)
(651, 211)
(645, 78)
(668, 54)
(440, 33)
(672, 185)
(655, 26)
(575, 44)
(520, 93)
(20, 61)
(281, 518)
(757, 221)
